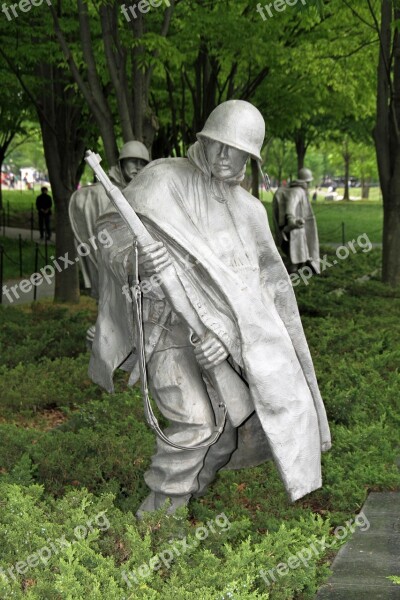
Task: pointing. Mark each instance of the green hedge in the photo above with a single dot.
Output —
(52, 480)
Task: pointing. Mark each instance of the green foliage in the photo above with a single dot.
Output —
(55, 479)
(49, 383)
(105, 446)
(43, 332)
(85, 545)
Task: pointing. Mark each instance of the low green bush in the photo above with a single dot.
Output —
(43, 331)
(49, 383)
(83, 546)
(104, 445)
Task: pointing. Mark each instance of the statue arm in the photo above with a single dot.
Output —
(293, 220)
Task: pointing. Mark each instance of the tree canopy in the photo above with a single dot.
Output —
(93, 69)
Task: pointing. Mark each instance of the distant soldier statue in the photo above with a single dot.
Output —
(87, 204)
(295, 225)
(225, 353)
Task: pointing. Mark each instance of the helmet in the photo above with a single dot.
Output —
(238, 124)
(305, 175)
(134, 149)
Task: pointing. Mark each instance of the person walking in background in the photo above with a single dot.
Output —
(43, 206)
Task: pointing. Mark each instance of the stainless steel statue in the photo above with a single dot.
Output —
(295, 226)
(219, 316)
(87, 204)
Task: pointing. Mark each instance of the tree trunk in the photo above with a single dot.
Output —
(387, 139)
(391, 235)
(67, 281)
(301, 148)
(64, 136)
(364, 188)
(255, 190)
(346, 156)
(1, 185)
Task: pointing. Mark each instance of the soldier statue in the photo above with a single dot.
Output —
(295, 226)
(231, 285)
(87, 204)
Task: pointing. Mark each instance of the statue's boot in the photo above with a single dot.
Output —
(155, 501)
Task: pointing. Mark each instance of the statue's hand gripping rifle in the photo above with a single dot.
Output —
(233, 393)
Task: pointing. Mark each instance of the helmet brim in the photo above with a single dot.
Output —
(232, 144)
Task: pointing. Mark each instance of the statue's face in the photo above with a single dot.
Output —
(131, 167)
(224, 161)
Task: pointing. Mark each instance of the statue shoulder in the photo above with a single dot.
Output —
(166, 168)
(253, 204)
(159, 176)
(88, 194)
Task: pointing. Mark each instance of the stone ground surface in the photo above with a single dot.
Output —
(361, 567)
(44, 290)
(13, 233)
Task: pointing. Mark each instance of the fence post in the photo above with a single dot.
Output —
(36, 269)
(20, 254)
(343, 233)
(1, 274)
(31, 219)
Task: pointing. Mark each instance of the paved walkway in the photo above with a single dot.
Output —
(14, 232)
(362, 566)
(16, 296)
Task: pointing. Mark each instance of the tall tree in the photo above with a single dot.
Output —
(12, 113)
(34, 60)
(387, 132)
(112, 58)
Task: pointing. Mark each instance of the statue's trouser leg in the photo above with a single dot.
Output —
(217, 457)
(177, 387)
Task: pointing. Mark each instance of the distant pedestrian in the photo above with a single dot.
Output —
(43, 205)
(314, 196)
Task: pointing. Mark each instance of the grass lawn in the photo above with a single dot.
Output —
(363, 216)
(70, 452)
(18, 206)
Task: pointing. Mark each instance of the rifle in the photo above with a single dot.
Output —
(233, 392)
